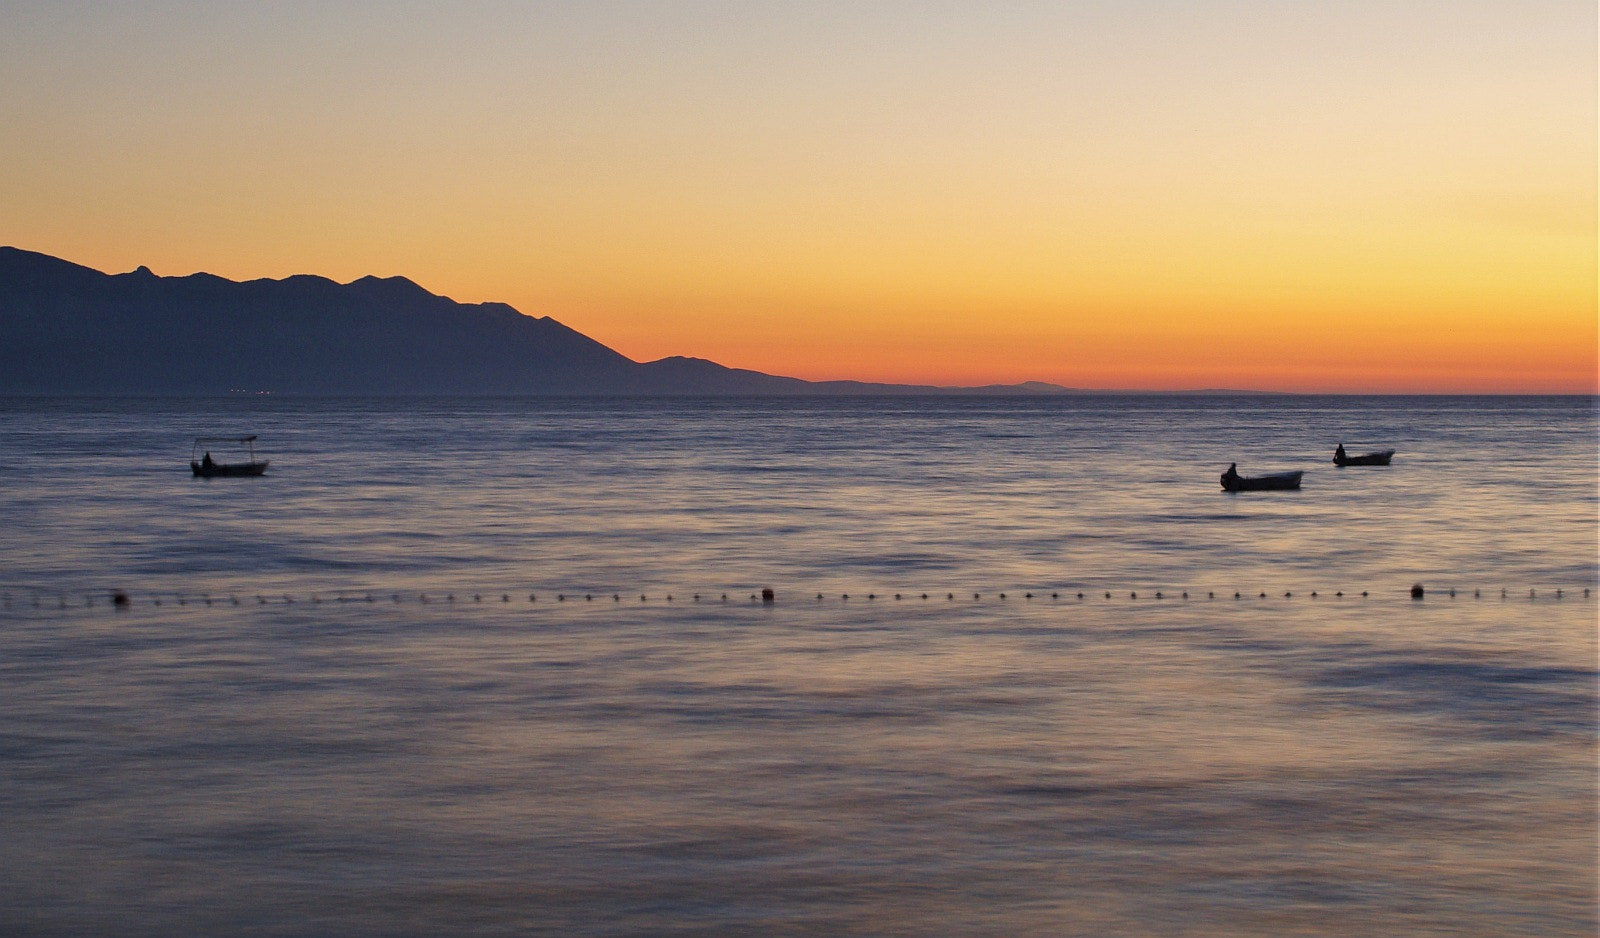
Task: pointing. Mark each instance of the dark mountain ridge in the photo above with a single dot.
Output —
(69, 329)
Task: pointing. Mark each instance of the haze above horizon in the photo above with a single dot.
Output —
(1361, 197)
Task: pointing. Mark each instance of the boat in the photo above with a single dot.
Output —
(1379, 458)
(1234, 482)
(206, 467)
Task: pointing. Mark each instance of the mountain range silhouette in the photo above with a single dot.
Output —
(69, 329)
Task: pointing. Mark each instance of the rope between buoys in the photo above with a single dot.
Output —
(34, 598)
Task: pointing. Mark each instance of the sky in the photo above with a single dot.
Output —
(1362, 196)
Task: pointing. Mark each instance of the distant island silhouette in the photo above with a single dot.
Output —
(69, 329)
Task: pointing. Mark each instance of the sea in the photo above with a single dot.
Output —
(987, 666)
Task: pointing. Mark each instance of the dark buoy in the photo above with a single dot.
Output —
(1417, 591)
(768, 597)
(120, 599)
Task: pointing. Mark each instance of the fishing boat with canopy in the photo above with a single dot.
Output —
(207, 467)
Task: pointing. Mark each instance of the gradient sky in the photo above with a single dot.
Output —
(1367, 195)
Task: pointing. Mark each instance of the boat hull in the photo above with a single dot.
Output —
(1369, 459)
(1276, 481)
(228, 469)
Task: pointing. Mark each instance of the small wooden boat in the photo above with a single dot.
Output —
(1380, 458)
(206, 467)
(1234, 482)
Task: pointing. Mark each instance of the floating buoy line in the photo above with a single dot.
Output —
(29, 598)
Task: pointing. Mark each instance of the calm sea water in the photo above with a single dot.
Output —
(280, 737)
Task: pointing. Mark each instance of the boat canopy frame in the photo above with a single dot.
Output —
(248, 441)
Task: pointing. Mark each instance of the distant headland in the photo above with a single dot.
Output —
(69, 329)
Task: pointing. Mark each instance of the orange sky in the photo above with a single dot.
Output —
(1365, 196)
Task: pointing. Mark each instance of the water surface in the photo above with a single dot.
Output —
(1036, 764)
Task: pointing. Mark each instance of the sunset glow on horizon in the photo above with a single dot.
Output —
(1358, 197)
